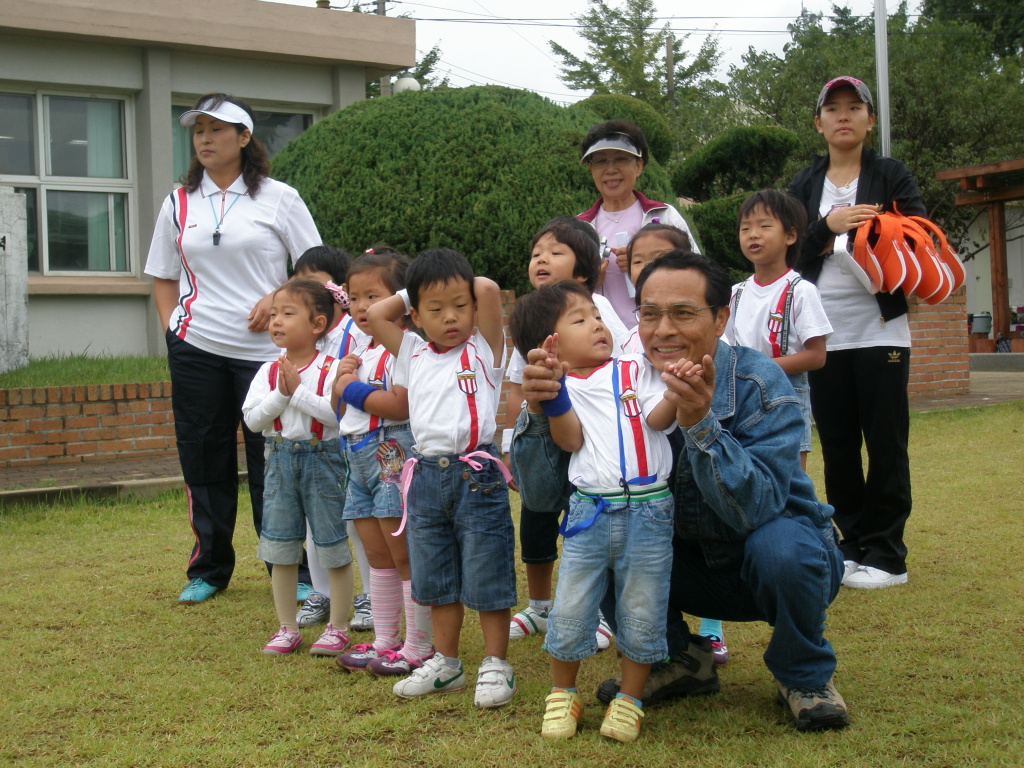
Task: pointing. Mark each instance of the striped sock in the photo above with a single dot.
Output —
(417, 626)
(386, 598)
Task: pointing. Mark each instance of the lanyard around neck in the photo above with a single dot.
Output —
(223, 213)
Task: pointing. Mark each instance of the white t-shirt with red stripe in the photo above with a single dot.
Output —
(268, 411)
(220, 284)
(376, 369)
(453, 395)
(757, 321)
(344, 338)
(605, 414)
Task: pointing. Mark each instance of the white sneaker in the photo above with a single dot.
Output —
(528, 621)
(604, 635)
(850, 567)
(495, 683)
(435, 676)
(867, 577)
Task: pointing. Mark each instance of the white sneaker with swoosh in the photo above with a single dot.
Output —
(435, 676)
(495, 683)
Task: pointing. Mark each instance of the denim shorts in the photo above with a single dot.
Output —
(304, 482)
(374, 472)
(460, 535)
(631, 546)
(803, 391)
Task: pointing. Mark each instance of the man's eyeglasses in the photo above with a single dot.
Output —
(679, 314)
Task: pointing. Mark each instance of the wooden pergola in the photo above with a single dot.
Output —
(993, 185)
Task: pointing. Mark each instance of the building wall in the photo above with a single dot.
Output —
(979, 268)
(278, 57)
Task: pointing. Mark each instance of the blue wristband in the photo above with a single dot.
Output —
(356, 392)
(560, 404)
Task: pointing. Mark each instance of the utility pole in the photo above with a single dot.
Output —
(882, 74)
(670, 65)
(385, 82)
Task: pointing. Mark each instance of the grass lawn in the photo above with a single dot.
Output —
(83, 370)
(103, 668)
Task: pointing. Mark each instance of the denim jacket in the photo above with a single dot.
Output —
(743, 460)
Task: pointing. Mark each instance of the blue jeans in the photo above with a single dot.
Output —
(628, 549)
(788, 577)
(460, 535)
(304, 482)
(374, 472)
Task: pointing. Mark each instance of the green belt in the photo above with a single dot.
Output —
(642, 493)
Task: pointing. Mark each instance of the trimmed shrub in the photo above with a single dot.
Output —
(741, 158)
(609, 106)
(476, 169)
(716, 222)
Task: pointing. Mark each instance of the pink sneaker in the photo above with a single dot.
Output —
(360, 655)
(283, 642)
(331, 643)
(392, 663)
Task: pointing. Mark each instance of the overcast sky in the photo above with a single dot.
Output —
(492, 41)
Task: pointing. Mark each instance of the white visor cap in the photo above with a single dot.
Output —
(225, 112)
(616, 141)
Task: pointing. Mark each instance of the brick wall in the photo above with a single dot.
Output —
(939, 360)
(63, 425)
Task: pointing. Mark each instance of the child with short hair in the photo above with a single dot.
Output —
(647, 244)
(563, 249)
(775, 311)
(460, 535)
(329, 265)
(611, 415)
(290, 402)
(377, 439)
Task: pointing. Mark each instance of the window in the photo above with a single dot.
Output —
(273, 129)
(68, 155)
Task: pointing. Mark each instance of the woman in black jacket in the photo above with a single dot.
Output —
(860, 395)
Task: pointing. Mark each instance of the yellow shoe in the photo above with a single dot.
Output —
(562, 710)
(622, 720)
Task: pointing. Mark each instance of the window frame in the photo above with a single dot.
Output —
(44, 182)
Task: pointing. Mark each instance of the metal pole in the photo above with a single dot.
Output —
(670, 66)
(385, 82)
(882, 75)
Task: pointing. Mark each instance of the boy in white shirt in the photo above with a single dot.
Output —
(460, 534)
(611, 415)
(775, 311)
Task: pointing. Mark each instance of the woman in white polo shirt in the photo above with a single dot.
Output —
(220, 247)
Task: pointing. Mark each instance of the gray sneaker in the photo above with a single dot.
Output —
(690, 673)
(316, 610)
(362, 613)
(815, 709)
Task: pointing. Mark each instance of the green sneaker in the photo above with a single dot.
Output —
(197, 591)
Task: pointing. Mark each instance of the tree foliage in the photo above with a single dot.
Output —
(743, 158)
(952, 103)
(476, 169)
(1004, 19)
(626, 54)
(609, 106)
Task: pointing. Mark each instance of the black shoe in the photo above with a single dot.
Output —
(690, 673)
(815, 709)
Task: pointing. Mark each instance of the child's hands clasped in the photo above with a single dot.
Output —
(287, 376)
